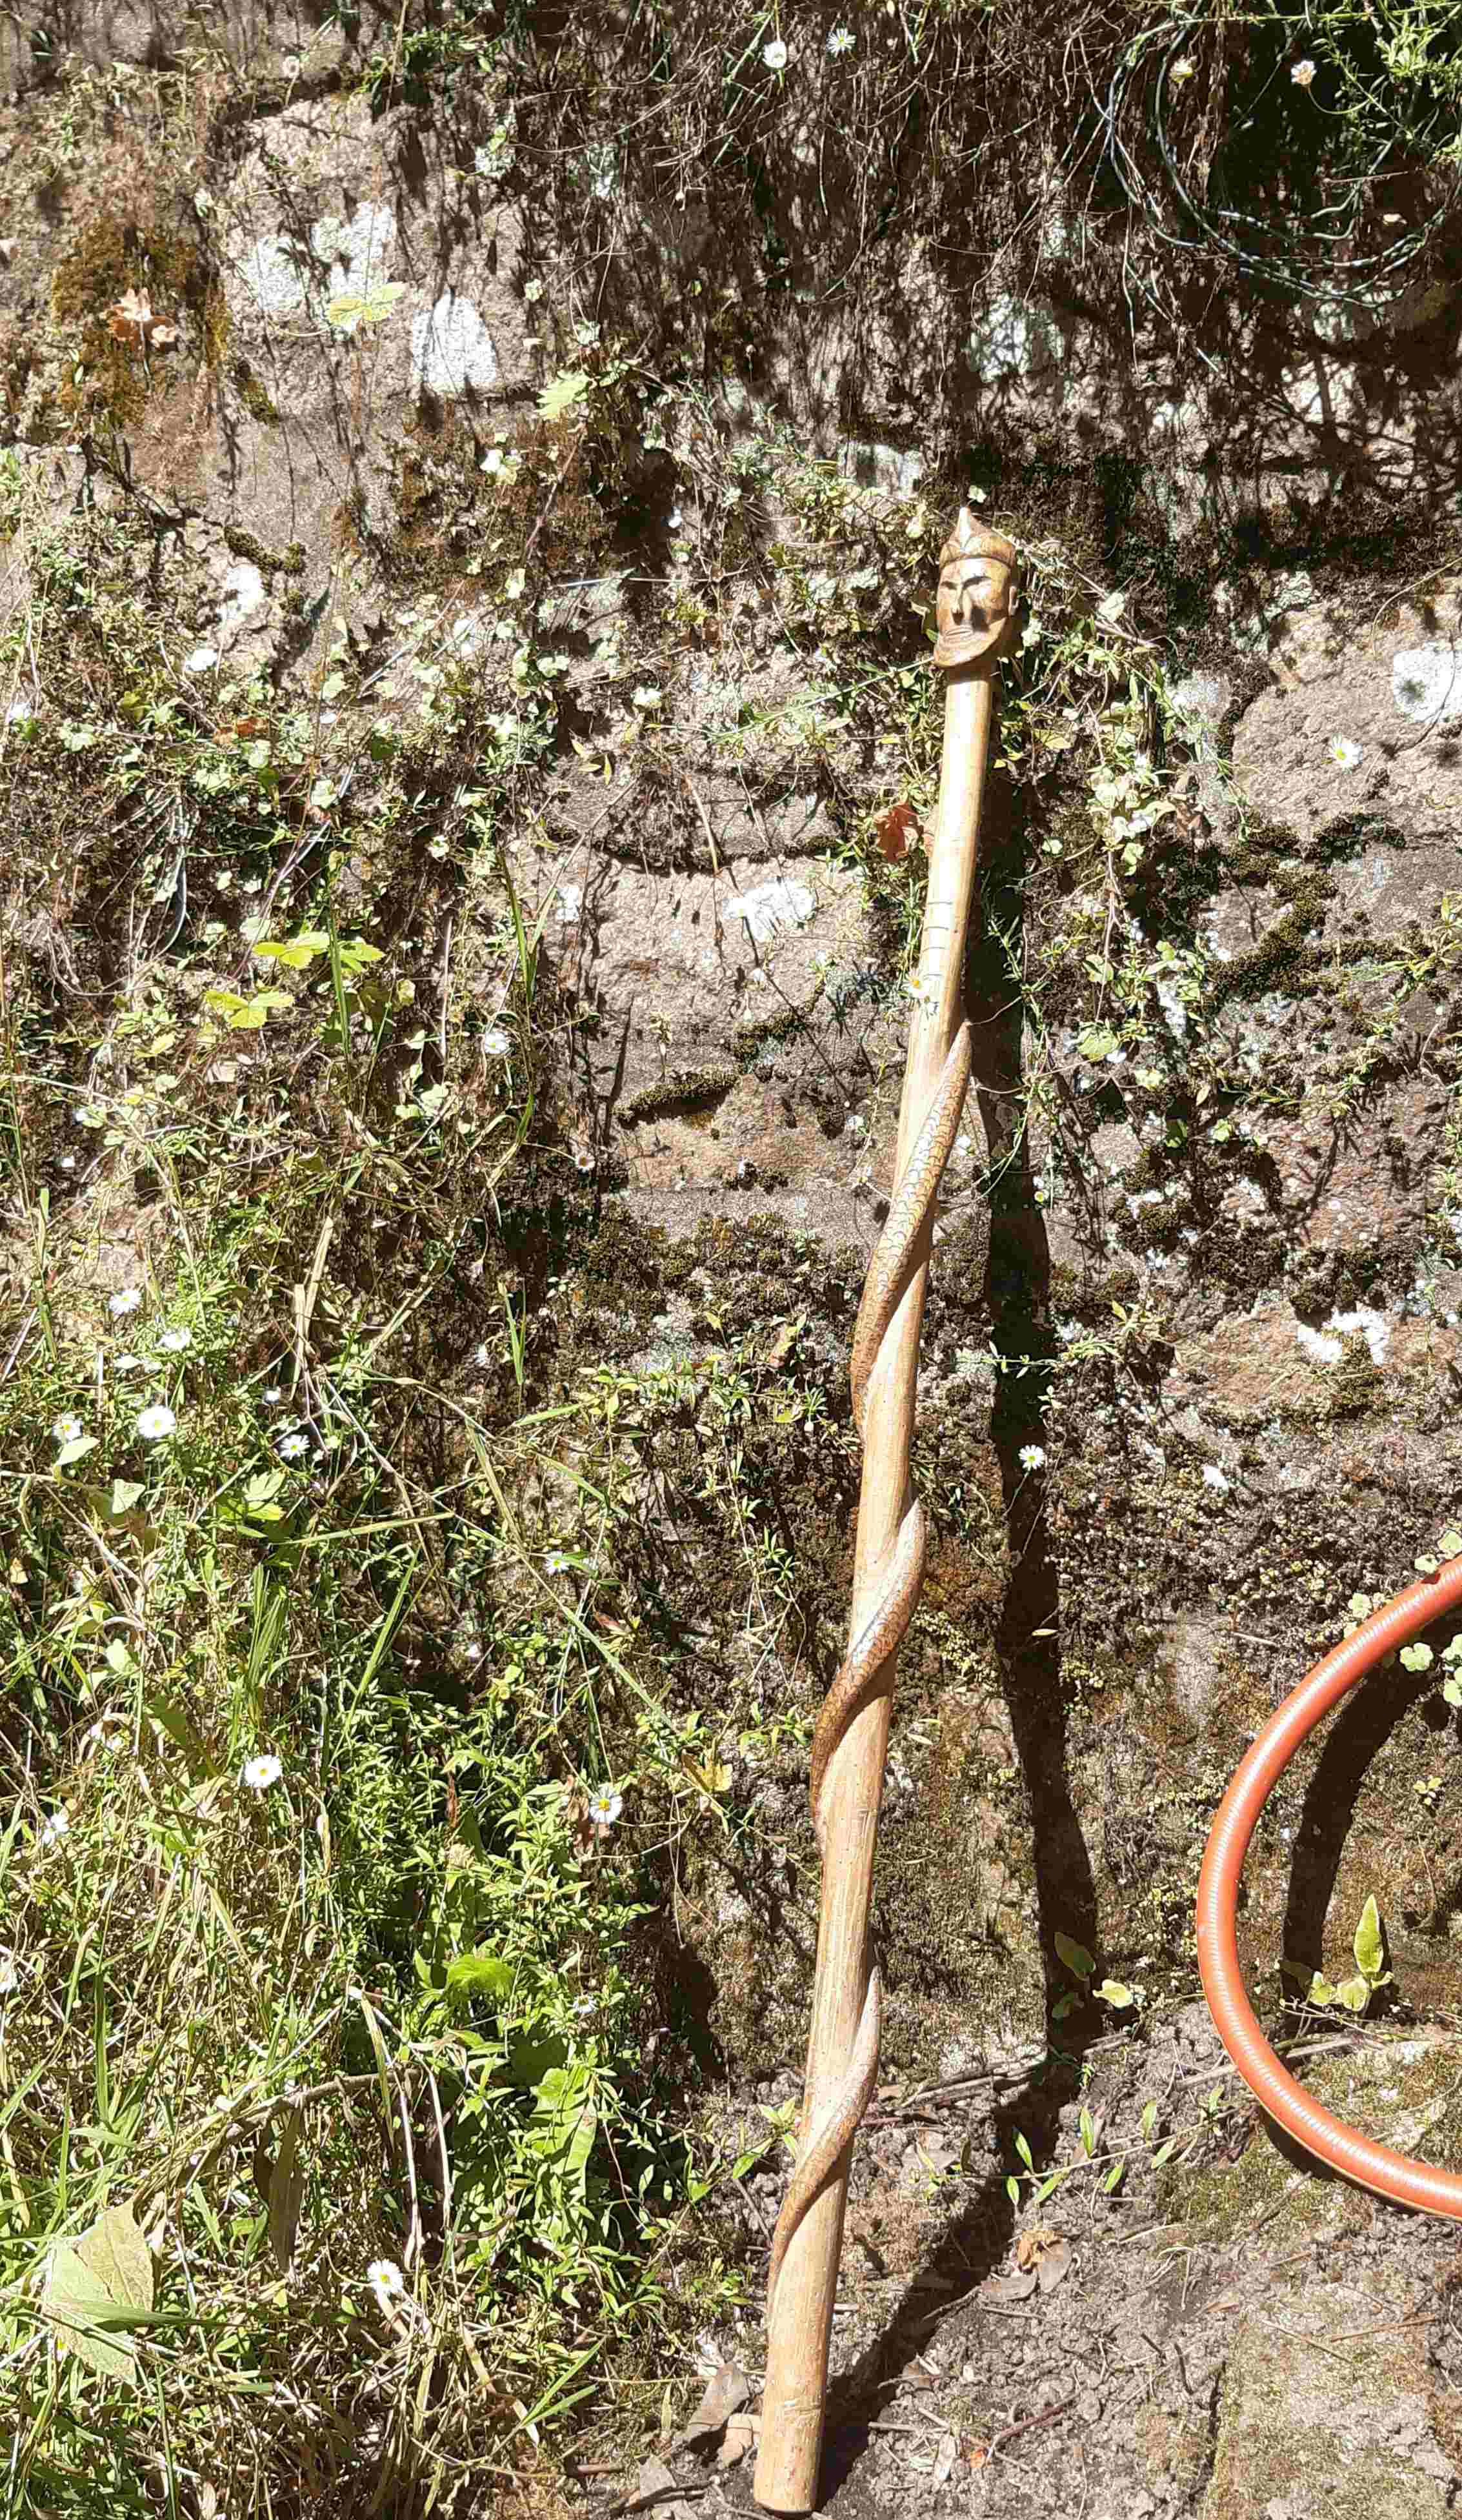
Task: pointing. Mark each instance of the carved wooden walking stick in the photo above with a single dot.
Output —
(976, 607)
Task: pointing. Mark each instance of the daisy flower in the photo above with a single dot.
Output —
(555, 1562)
(1302, 73)
(774, 54)
(840, 41)
(1032, 1456)
(292, 1446)
(1345, 754)
(126, 1300)
(496, 1043)
(604, 1806)
(66, 1430)
(1181, 71)
(386, 2282)
(201, 661)
(156, 1422)
(173, 1342)
(261, 1772)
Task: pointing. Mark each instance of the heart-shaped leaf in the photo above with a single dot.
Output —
(90, 2286)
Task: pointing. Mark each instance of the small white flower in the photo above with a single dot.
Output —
(648, 696)
(492, 462)
(125, 1300)
(54, 1829)
(674, 519)
(532, 293)
(583, 1160)
(1302, 73)
(439, 848)
(68, 1431)
(127, 1363)
(274, 1392)
(68, 1163)
(173, 1342)
(1032, 1456)
(156, 1422)
(774, 54)
(10, 1974)
(1214, 1477)
(1345, 754)
(386, 2282)
(840, 41)
(496, 1043)
(1181, 71)
(604, 1806)
(556, 1562)
(292, 1446)
(201, 661)
(261, 1772)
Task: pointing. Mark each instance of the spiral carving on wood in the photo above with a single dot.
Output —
(901, 1579)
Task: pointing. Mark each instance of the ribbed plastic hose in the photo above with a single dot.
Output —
(1373, 2165)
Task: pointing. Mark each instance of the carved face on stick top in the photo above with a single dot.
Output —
(976, 594)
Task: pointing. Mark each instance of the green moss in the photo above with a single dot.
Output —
(259, 404)
(680, 1090)
(245, 546)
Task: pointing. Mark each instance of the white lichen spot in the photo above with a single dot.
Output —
(451, 348)
(768, 907)
(1325, 1351)
(1427, 682)
(244, 599)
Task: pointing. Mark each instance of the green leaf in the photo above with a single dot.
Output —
(75, 1451)
(1149, 2120)
(122, 1496)
(480, 1972)
(296, 953)
(1416, 1657)
(1320, 1989)
(1113, 1992)
(1012, 2191)
(1164, 2152)
(1451, 1544)
(1369, 1945)
(93, 2283)
(562, 392)
(1114, 2178)
(1355, 1993)
(1024, 2150)
(247, 1015)
(1088, 2133)
(287, 2194)
(1074, 1956)
(1451, 1688)
(1098, 1041)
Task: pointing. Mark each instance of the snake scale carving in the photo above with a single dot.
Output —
(901, 1579)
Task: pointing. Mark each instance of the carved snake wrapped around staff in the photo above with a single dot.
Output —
(900, 1580)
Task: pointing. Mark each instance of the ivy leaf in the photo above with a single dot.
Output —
(1118, 1997)
(1320, 1989)
(75, 1451)
(92, 2283)
(562, 392)
(1355, 1993)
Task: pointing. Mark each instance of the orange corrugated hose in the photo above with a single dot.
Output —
(1373, 2165)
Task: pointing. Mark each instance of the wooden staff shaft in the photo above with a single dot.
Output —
(801, 2322)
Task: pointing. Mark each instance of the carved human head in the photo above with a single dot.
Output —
(978, 594)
